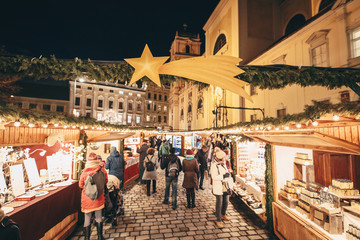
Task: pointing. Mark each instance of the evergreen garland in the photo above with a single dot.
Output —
(269, 189)
(11, 113)
(83, 143)
(264, 77)
(280, 76)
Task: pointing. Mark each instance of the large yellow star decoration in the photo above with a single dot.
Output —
(146, 65)
(219, 71)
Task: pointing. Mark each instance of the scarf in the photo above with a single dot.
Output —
(189, 157)
(92, 163)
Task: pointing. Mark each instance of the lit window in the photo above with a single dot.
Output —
(148, 118)
(137, 119)
(165, 108)
(159, 108)
(130, 93)
(355, 42)
(139, 95)
(129, 119)
(121, 92)
(99, 116)
(120, 118)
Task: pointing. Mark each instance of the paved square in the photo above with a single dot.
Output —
(147, 218)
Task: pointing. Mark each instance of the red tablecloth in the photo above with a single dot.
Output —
(42, 213)
(130, 173)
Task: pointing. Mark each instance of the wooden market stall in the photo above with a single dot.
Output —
(54, 215)
(307, 163)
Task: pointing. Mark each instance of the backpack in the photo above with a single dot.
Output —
(94, 184)
(150, 166)
(173, 169)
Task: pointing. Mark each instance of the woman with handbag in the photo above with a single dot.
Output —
(220, 184)
(88, 206)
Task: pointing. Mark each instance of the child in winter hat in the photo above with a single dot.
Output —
(189, 154)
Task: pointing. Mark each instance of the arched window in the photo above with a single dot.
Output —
(187, 49)
(189, 109)
(220, 42)
(295, 23)
(326, 4)
(200, 104)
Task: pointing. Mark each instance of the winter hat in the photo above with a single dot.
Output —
(189, 152)
(92, 161)
(219, 153)
(112, 149)
(92, 157)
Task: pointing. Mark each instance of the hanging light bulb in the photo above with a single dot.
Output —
(45, 126)
(336, 118)
(287, 127)
(269, 127)
(86, 127)
(298, 125)
(31, 125)
(56, 125)
(92, 127)
(314, 123)
(261, 128)
(81, 127)
(277, 129)
(17, 124)
(65, 126)
(73, 126)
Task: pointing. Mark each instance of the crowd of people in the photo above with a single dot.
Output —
(155, 154)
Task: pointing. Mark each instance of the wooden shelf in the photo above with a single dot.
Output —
(352, 210)
(291, 203)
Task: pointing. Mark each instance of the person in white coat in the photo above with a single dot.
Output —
(150, 175)
(219, 175)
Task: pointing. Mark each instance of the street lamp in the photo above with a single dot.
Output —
(244, 108)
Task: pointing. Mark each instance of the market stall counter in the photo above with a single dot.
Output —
(49, 216)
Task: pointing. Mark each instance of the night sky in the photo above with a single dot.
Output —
(99, 30)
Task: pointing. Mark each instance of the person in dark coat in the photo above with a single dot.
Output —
(171, 180)
(142, 156)
(190, 169)
(116, 165)
(201, 158)
(8, 228)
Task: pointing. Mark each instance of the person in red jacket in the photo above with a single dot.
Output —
(88, 206)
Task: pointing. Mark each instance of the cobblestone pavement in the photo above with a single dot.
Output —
(147, 218)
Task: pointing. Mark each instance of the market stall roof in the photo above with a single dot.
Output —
(309, 139)
(111, 136)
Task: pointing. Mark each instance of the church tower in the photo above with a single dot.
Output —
(185, 45)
